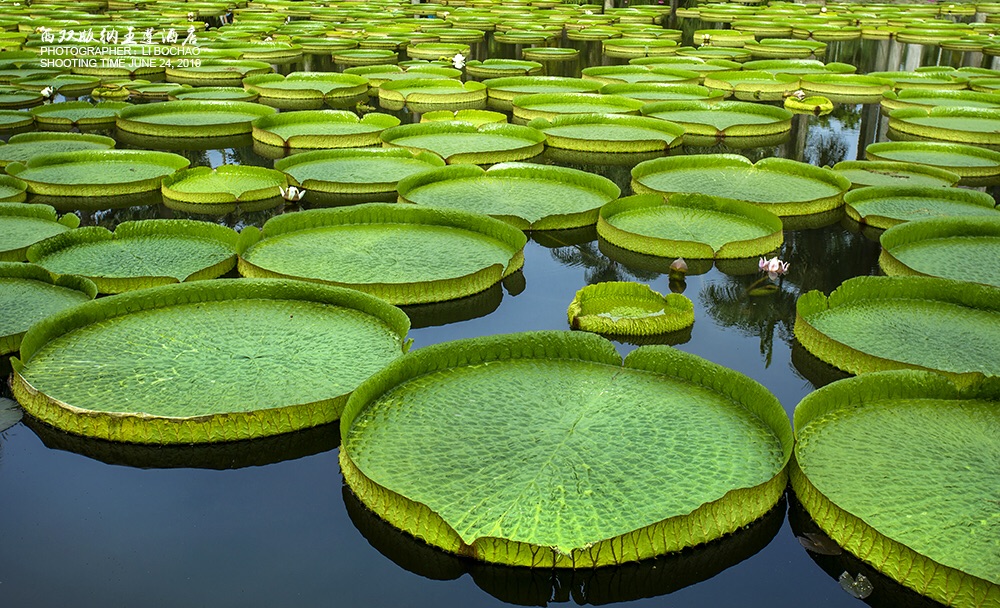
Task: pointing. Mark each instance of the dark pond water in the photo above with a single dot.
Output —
(86, 523)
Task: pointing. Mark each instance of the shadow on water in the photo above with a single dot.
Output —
(596, 586)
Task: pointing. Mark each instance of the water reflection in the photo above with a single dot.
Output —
(597, 586)
(598, 268)
(229, 455)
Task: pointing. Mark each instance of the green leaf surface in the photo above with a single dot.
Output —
(879, 323)
(191, 118)
(96, 172)
(628, 309)
(729, 118)
(960, 248)
(208, 361)
(23, 146)
(532, 196)
(965, 160)
(224, 184)
(466, 143)
(357, 169)
(550, 478)
(930, 452)
(887, 206)
(23, 225)
(28, 294)
(889, 173)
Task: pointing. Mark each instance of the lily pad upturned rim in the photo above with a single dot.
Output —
(911, 98)
(671, 248)
(947, 178)
(780, 123)
(271, 85)
(521, 171)
(131, 119)
(670, 135)
(892, 558)
(370, 126)
(171, 162)
(902, 121)
(380, 213)
(223, 198)
(871, 288)
(225, 237)
(533, 138)
(32, 272)
(775, 164)
(20, 186)
(586, 312)
(878, 151)
(497, 92)
(412, 92)
(44, 114)
(674, 533)
(35, 211)
(140, 428)
(938, 228)
(334, 186)
(526, 106)
(926, 193)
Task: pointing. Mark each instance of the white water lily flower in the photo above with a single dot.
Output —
(800, 94)
(773, 267)
(458, 61)
(292, 193)
(47, 92)
(588, 12)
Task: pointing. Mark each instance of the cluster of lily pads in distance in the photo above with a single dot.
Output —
(461, 233)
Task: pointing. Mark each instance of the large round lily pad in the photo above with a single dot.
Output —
(699, 450)
(459, 142)
(881, 323)
(29, 293)
(502, 91)
(885, 206)
(423, 94)
(784, 187)
(402, 253)
(192, 118)
(311, 129)
(550, 105)
(917, 98)
(899, 468)
(24, 225)
(305, 90)
(959, 124)
(723, 118)
(23, 146)
(863, 173)
(216, 72)
(528, 196)
(356, 170)
(690, 226)
(96, 172)
(967, 161)
(223, 189)
(205, 362)
(617, 133)
(618, 309)
(960, 248)
(140, 254)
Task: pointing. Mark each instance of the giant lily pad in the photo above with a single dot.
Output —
(223, 189)
(23, 146)
(213, 94)
(935, 81)
(528, 196)
(205, 362)
(784, 187)
(617, 308)
(310, 129)
(356, 170)
(29, 293)
(82, 114)
(24, 225)
(459, 142)
(915, 433)
(140, 254)
(960, 248)
(886, 206)
(502, 91)
(609, 133)
(659, 91)
(960, 124)
(873, 324)
(690, 226)
(552, 399)
(401, 253)
(69, 85)
(864, 173)
(305, 90)
(916, 98)
(192, 118)
(426, 93)
(722, 119)
(12, 190)
(96, 172)
(15, 119)
(966, 161)
(499, 68)
(550, 105)
(610, 74)
(753, 85)
(846, 88)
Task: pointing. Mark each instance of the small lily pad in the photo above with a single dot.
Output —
(28, 294)
(629, 309)
(224, 188)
